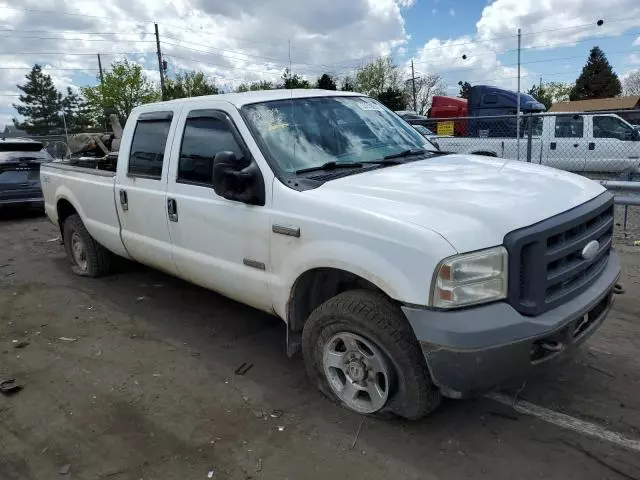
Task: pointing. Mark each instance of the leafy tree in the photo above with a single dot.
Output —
(125, 87)
(597, 80)
(465, 90)
(40, 104)
(631, 83)
(326, 82)
(294, 80)
(541, 94)
(189, 84)
(348, 84)
(426, 87)
(376, 78)
(394, 98)
(558, 91)
(250, 87)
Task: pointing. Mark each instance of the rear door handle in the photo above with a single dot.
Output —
(592, 146)
(172, 209)
(575, 145)
(552, 146)
(124, 200)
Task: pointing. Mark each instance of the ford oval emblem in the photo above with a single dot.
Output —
(590, 250)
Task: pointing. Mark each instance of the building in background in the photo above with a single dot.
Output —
(630, 105)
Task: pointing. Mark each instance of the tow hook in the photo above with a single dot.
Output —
(618, 289)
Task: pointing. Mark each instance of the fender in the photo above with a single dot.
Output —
(369, 265)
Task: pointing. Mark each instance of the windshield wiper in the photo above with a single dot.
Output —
(406, 153)
(332, 165)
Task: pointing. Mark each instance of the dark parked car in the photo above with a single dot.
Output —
(20, 161)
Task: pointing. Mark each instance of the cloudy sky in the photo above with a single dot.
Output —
(246, 40)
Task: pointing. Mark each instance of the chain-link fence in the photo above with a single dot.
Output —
(63, 146)
(599, 143)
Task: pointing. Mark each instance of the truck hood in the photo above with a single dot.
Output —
(472, 201)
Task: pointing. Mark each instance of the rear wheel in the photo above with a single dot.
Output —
(360, 352)
(87, 257)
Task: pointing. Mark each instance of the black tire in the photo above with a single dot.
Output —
(373, 316)
(98, 258)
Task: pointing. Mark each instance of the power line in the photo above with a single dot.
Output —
(73, 31)
(80, 39)
(75, 54)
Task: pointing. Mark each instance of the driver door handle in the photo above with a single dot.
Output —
(575, 145)
(172, 209)
(124, 200)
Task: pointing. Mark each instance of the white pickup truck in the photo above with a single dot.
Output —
(572, 142)
(404, 274)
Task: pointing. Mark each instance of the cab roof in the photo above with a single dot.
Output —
(245, 98)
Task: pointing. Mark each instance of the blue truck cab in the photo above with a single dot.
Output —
(485, 101)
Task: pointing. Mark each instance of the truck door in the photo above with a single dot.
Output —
(566, 145)
(614, 146)
(141, 183)
(218, 243)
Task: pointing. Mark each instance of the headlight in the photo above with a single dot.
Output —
(470, 278)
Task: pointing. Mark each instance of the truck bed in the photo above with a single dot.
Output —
(91, 192)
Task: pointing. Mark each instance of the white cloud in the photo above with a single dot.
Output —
(637, 42)
(452, 12)
(434, 11)
(553, 22)
(243, 40)
(634, 59)
(545, 23)
(481, 65)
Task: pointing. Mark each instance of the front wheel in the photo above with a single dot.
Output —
(361, 352)
(87, 257)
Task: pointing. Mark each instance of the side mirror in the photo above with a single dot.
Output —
(635, 136)
(237, 180)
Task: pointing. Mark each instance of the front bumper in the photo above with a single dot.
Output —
(472, 350)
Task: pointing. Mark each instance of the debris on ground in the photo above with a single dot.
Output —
(355, 440)
(244, 368)
(9, 386)
(259, 465)
(20, 343)
(68, 339)
(281, 428)
(211, 473)
(51, 240)
(275, 413)
(141, 299)
(65, 469)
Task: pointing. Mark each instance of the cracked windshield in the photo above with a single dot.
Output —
(308, 132)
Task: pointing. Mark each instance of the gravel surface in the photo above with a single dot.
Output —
(132, 376)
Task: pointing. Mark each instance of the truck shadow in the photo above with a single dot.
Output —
(16, 214)
(462, 438)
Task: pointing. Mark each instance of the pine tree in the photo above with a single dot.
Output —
(40, 105)
(465, 89)
(597, 80)
(326, 82)
(76, 113)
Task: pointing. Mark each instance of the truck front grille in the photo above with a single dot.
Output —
(546, 259)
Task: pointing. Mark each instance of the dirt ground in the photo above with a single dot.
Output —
(133, 376)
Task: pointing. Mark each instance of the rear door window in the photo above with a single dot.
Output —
(149, 141)
(569, 126)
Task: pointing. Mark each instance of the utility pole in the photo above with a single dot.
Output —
(100, 68)
(160, 61)
(540, 87)
(518, 110)
(413, 87)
